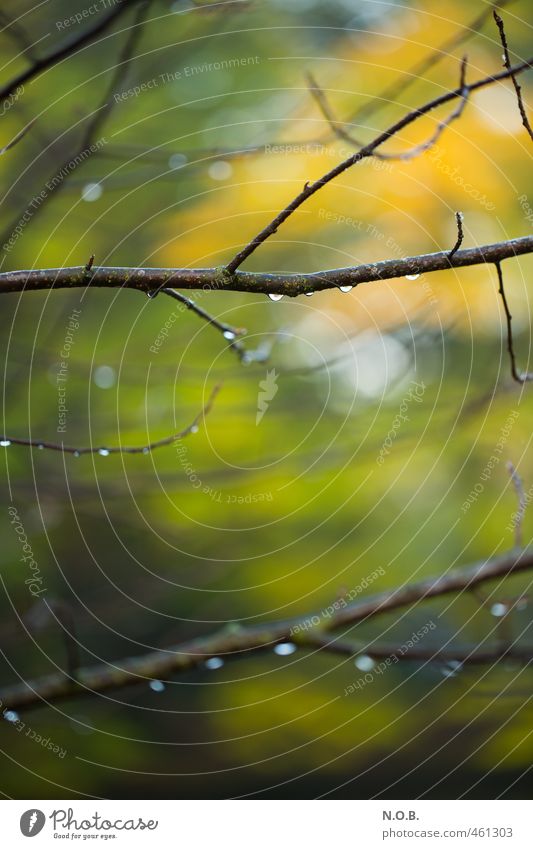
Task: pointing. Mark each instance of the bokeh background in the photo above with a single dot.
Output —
(295, 510)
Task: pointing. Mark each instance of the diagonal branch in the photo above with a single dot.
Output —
(507, 65)
(368, 150)
(524, 377)
(67, 48)
(234, 639)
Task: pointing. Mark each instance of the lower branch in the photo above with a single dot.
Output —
(235, 639)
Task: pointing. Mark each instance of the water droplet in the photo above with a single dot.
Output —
(308, 294)
(103, 452)
(146, 450)
(498, 609)
(412, 276)
(220, 170)
(284, 649)
(92, 192)
(194, 428)
(274, 297)
(11, 716)
(364, 662)
(104, 377)
(76, 453)
(157, 686)
(346, 288)
(229, 335)
(214, 663)
(446, 672)
(40, 446)
(5, 443)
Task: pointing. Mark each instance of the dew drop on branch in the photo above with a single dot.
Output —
(274, 297)
(5, 443)
(103, 452)
(157, 686)
(412, 276)
(346, 288)
(214, 663)
(364, 662)
(284, 649)
(229, 335)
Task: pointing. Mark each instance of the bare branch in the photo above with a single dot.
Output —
(507, 65)
(67, 48)
(6, 441)
(526, 376)
(149, 279)
(234, 639)
(229, 333)
(368, 150)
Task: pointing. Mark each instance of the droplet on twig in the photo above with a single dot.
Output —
(229, 335)
(275, 297)
(498, 609)
(346, 288)
(284, 649)
(5, 443)
(364, 662)
(157, 686)
(103, 452)
(214, 663)
(412, 276)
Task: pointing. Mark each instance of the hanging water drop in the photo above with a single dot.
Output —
(194, 428)
(40, 446)
(214, 663)
(412, 276)
(103, 452)
(229, 335)
(364, 662)
(146, 450)
(157, 686)
(76, 453)
(308, 294)
(5, 443)
(11, 716)
(284, 649)
(274, 297)
(498, 609)
(346, 288)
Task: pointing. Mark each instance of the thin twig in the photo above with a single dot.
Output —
(522, 504)
(516, 84)
(233, 640)
(20, 135)
(460, 234)
(90, 136)
(6, 441)
(526, 376)
(310, 188)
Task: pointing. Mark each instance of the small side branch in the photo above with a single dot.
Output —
(460, 234)
(507, 66)
(6, 441)
(526, 376)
